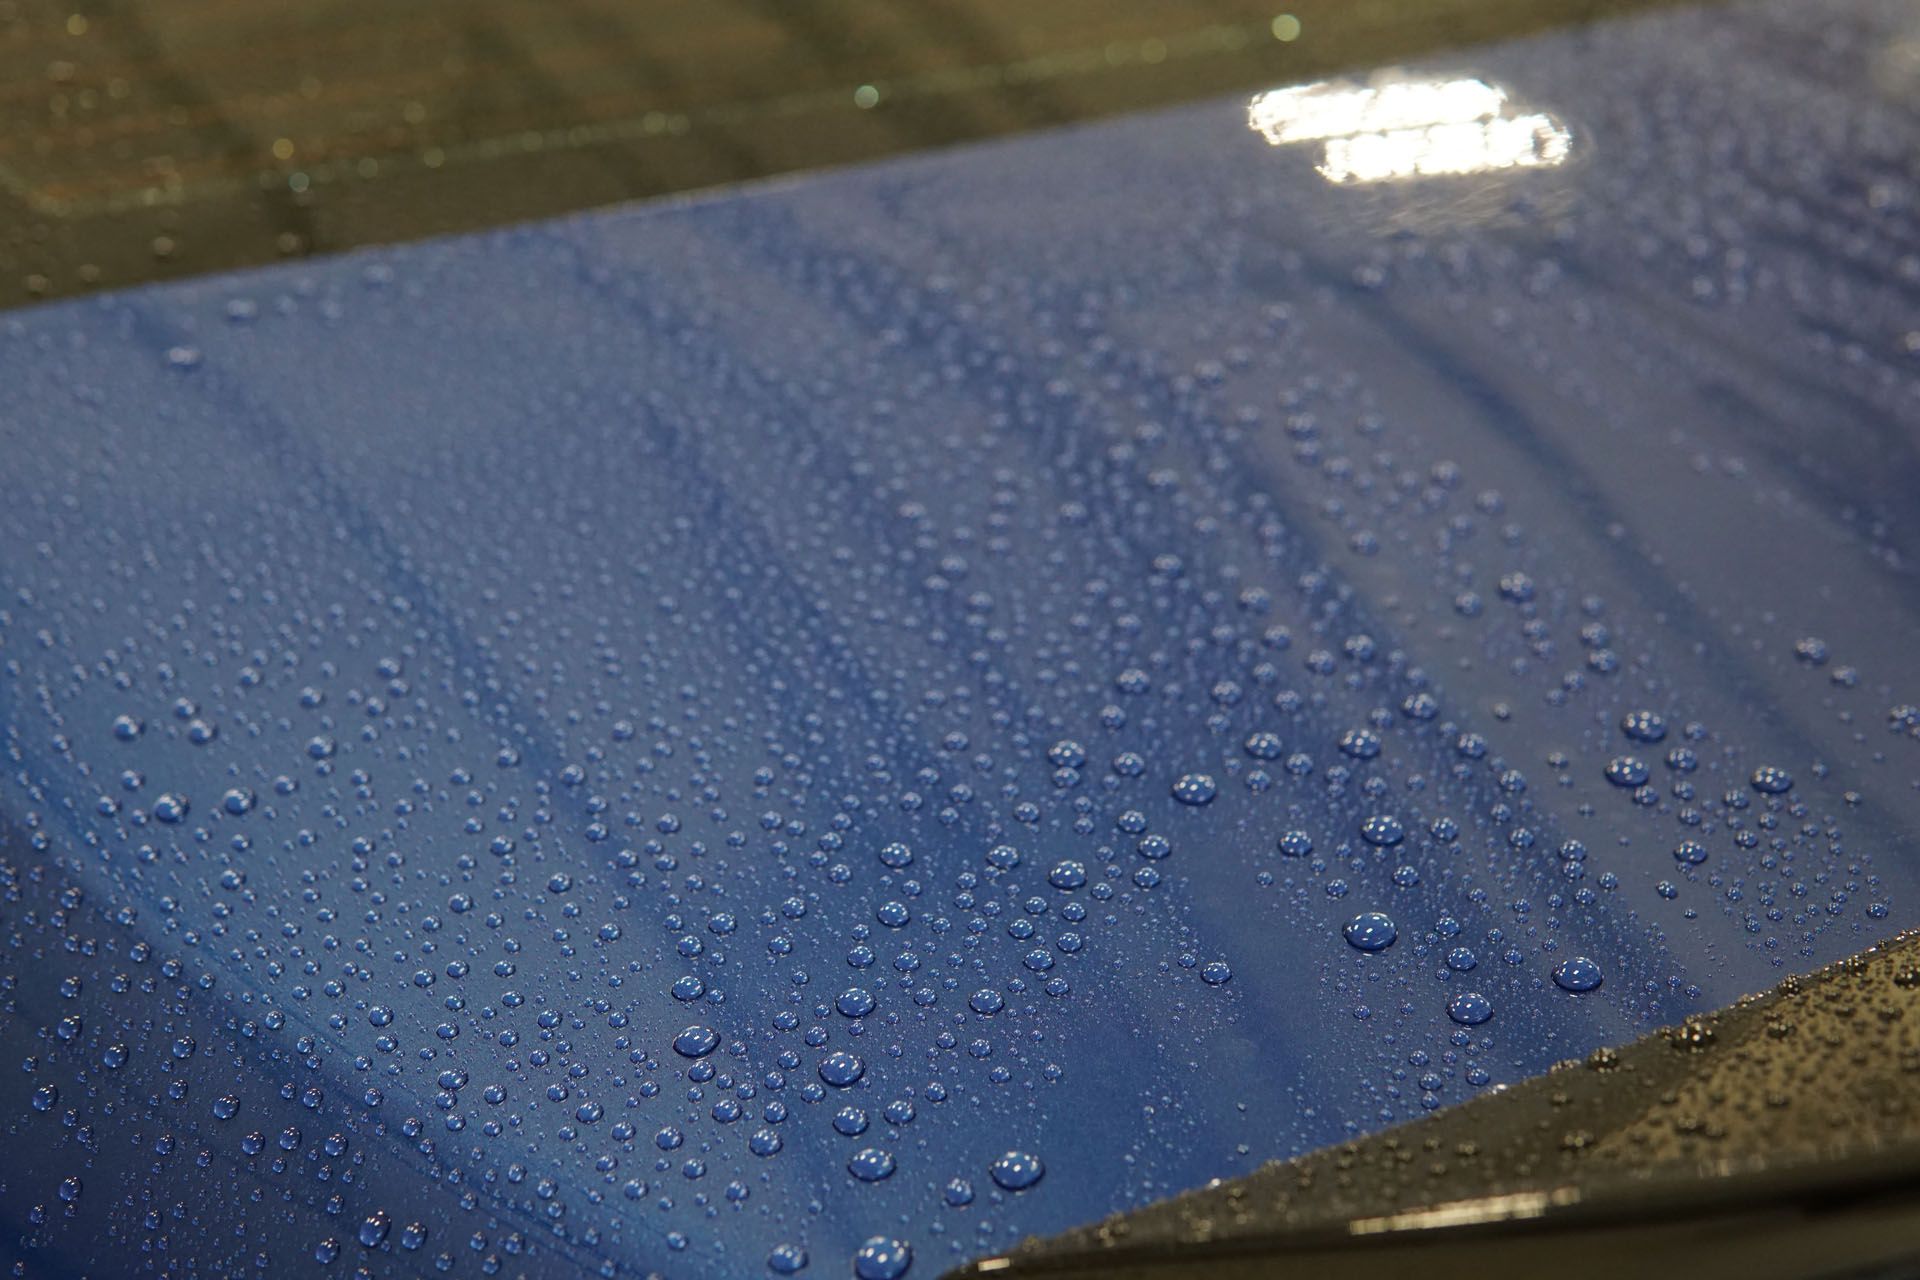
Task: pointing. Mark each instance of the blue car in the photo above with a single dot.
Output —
(840, 725)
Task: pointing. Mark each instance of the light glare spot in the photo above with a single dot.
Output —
(1408, 128)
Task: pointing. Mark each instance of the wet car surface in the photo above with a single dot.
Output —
(850, 722)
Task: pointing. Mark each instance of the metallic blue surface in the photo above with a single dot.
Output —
(693, 738)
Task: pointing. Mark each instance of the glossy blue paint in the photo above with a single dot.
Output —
(739, 734)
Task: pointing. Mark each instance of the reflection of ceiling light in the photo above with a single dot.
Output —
(1309, 112)
(1473, 147)
(1408, 128)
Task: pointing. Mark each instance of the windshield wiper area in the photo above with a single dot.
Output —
(1779, 1137)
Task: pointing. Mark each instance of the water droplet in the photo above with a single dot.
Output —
(1627, 771)
(1382, 830)
(374, 1228)
(1195, 788)
(1360, 744)
(1469, 1008)
(696, 1042)
(1691, 852)
(1577, 974)
(1772, 780)
(1370, 931)
(871, 1164)
(841, 1068)
(1644, 726)
(1813, 651)
(1264, 746)
(1016, 1170)
(1067, 754)
(882, 1258)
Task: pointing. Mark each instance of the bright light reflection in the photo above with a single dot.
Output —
(1308, 112)
(1474, 147)
(1408, 128)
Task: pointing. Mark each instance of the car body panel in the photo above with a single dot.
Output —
(653, 571)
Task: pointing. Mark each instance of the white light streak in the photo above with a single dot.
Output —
(1404, 128)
